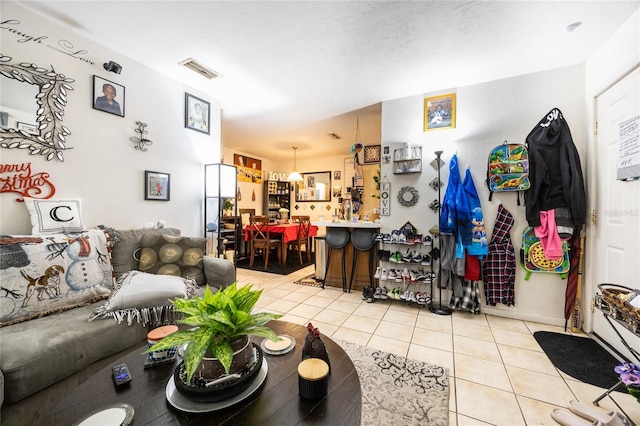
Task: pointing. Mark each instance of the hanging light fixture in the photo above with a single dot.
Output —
(294, 176)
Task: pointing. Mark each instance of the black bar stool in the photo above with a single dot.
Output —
(362, 240)
(336, 238)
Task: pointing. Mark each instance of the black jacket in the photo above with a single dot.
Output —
(554, 171)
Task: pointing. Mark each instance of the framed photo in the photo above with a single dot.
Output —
(108, 96)
(440, 112)
(336, 175)
(157, 186)
(29, 128)
(196, 113)
(372, 154)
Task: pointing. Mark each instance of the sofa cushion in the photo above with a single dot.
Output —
(127, 242)
(145, 298)
(45, 275)
(40, 352)
(54, 216)
(173, 255)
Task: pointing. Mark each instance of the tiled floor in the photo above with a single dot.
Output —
(498, 374)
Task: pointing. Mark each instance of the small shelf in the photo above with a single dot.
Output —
(407, 160)
(277, 195)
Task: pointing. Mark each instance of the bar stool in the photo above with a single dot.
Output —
(336, 238)
(362, 240)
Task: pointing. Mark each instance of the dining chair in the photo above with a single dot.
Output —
(261, 240)
(245, 214)
(304, 228)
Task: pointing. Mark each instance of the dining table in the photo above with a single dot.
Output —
(288, 231)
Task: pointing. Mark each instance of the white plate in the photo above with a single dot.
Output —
(272, 351)
(181, 402)
(116, 415)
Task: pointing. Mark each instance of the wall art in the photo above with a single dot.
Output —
(108, 96)
(249, 169)
(440, 112)
(157, 186)
(197, 113)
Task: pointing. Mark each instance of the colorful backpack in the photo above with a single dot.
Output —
(508, 169)
(533, 258)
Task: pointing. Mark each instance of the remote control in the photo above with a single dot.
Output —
(121, 375)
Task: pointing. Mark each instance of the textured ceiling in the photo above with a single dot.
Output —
(294, 71)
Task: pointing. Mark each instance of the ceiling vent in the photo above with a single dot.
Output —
(196, 66)
(334, 136)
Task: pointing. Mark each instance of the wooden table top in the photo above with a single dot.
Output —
(276, 403)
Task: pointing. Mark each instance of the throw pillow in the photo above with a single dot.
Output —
(45, 275)
(171, 255)
(54, 216)
(127, 242)
(145, 298)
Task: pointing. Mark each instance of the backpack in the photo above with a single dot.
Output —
(508, 169)
(533, 259)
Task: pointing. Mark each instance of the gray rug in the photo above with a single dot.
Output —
(398, 390)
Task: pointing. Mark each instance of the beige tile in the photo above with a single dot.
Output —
(264, 301)
(540, 386)
(435, 323)
(433, 339)
(342, 306)
(469, 421)
(452, 396)
(296, 297)
(274, 293)
(537, 412)
(360, 323)
(321, 302)
(394, 331)
(295, 319)
(476, 348)
(519, 340)
(307, 289)
(353, 297)
(281, 306)
(371, 310)
(536, 326)
(331, 293)
(482, 332)
(331, 317)
(482, 371)
(305, 311)
(388, 345)
(462, 317)
(525, 358)
(326, 329)
(433, 356)
(401, 317)
(507, 324)
(487, 404)
(587, 393)
(351, 335)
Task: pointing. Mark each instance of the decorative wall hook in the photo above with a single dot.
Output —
(141, 141)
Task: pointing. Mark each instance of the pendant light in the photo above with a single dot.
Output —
(294, 176)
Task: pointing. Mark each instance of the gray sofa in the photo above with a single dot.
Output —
(39, 353)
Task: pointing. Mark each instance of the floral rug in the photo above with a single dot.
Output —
(398, 390)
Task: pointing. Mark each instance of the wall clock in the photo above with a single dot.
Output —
(372, 154)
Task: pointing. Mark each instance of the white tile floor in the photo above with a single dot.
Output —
(498, 374)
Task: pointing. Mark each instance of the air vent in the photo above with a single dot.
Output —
(333, 136)
(196, 66)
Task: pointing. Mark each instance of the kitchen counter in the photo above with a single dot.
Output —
(345, 224)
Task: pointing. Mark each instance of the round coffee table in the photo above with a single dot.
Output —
(276, 403)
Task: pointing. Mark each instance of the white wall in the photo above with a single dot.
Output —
(103, 168)
(487, 115)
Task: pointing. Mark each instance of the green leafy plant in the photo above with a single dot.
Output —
(227, 204)
(217, 320)
(377, 180)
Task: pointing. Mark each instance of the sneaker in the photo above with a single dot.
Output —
(378, 273)
(365, 292)
(402, 238)
(405, 274)
(377, 237)
(399, 276)
(383, 275)
(420, 274)
(426, 260)
(396, 257)
(427, 240)
(383, 293)
(386, 238)
(391, 276)
(417, 239)
(405, 295)
(408, 257)
(377, 293)
(385, 255)
(413, 276)
(394, 236)
(412, 297)
(417, 257)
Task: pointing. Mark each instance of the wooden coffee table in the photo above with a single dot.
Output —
(276, 403)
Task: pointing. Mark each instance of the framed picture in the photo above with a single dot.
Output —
(372, 154)
(440, 112)
(196, 113)
(108, 96)
(29, 128)
(157, 186)
(336, 175)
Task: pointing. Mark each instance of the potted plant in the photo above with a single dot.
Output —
(220, 322)
(227, 206)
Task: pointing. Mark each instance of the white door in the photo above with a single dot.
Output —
(617, 232)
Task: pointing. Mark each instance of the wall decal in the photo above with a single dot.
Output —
(19, 178)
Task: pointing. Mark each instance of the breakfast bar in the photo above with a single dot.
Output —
(347, 242)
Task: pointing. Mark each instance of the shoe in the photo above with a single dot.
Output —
(365, 292)
(396, 257)
(377, 293)
(421, 275)
(394, 237)
(405, 275)
(384, 275)
(378, 273)
(413, 276)
(402, 237)
(427, 240)
(377, 237)
(385, 255)
(412, 297)
(399, 276)
(426, 260)
(408, 257)
(405, 295)
(383, 293)
(593, 414)
(567, 418)
(417, 257)
(417, 239)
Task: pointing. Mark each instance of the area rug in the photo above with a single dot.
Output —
(580, 357)
(309, 280)
(398, 390)
(293, 264)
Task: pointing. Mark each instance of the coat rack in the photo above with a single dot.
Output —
(440, 309)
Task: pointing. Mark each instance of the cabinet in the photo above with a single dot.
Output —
(221, 210)
(277, 195)
(407, 160)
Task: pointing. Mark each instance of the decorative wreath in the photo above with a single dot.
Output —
(403, 196)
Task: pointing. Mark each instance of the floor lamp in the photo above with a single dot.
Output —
(439, 310)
